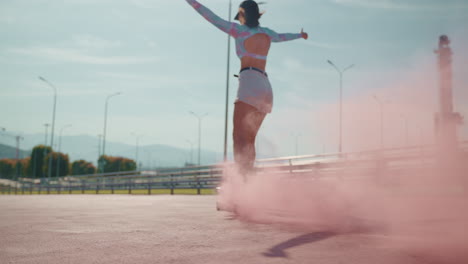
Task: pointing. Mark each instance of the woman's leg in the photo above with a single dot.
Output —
(247, 122)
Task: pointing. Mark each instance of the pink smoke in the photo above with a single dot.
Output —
(422, 211)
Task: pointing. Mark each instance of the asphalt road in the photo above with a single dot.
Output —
(170, 229)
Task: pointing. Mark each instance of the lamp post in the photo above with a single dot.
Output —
(53, 123)
(105, 126)
(227, 89)
(137, 147)
(46, 133)
(99, 145)
(380, 102)
(340, 72)
(296, 136)
(191, 151)
(60, 147)
(45, 144)
(199, 132)
(17, 140)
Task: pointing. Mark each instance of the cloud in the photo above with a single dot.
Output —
(79, 56)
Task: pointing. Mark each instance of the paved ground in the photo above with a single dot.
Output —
(168, 229)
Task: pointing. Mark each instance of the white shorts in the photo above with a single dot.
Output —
(255, 90)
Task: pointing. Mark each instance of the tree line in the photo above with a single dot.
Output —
(37, 165)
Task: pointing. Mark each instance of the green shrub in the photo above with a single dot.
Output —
(116, 164)
(82, 167)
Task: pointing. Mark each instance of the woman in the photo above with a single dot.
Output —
(254, 95)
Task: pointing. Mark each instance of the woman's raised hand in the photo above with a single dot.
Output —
(304, 35)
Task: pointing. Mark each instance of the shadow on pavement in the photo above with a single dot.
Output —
(279, 250)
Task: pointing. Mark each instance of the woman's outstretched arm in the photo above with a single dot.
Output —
(275, 37)
(214, 19)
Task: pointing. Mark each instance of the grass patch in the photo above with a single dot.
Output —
(120, 191)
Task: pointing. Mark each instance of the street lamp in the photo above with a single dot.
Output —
(199, 132)
(53, 123)
(191, 151)
(17, 139)
(46, 133)
(105, 122)
(296, 136)
(380, 102)
(60, 147)
(137, 147)
(227, 89)
(340, 72)
(99, 145)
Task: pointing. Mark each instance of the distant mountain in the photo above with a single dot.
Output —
(86, 147)
(9, 152)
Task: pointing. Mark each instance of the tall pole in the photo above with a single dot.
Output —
(59, 149)
(381, 119)
(227, 89)
(45, 144)
(46, 133)
(105, 126)
(99, 145)
(49, 174)
(18, 138)
(446, 119)
(137, 149)
(199, 141)
(340, 72)
(199, 134)
(137, 146)
(191, 151)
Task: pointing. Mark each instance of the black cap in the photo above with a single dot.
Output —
(250, 7)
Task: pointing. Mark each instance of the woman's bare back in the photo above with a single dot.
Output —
(257, 44)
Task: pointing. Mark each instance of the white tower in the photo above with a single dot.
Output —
(446, 120)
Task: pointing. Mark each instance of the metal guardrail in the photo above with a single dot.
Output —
(199, 178)
(146, 182)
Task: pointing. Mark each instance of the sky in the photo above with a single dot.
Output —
(167, 61)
